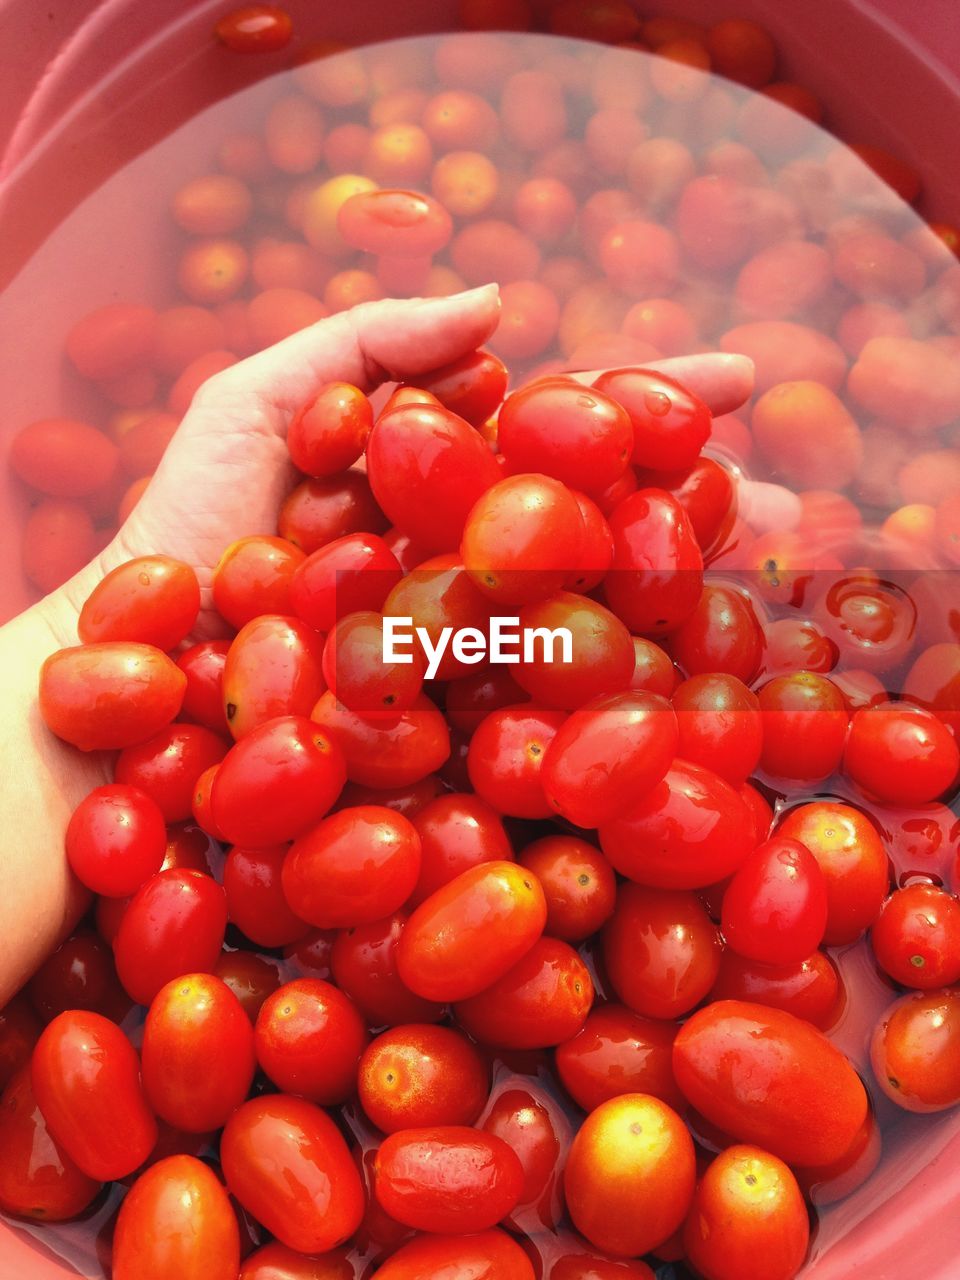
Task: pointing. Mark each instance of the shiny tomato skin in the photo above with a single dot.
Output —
(387, 754)
(277, 781)
(487, 1255)
(168, 766)
(768, 1078)
(617, 1051)
(255, 28)
(447, 1178)
(721, 634)
(901, 754)
(109, 695)
(151, 600)
(471, 932)
(916, 937)
(286, 1162)
(805, 723)
(748, 1218)
(707, 493)
(852, 858)
(577, 881)
(356, 866)
(38, 1179)
(812, 989)
(116, 840)
(418, 1075)
(670, 424)
(533, 1125)
(364, 965)
(250, 977)
(608, 755)
(197, 1055)
(203, 665)
(273, 668)
(720, 725)
(933, 682)
(86, 1079)
(690, 830)
(177, 1220)
(356, 572)
(253, 576)
(775, 907)
(427, 468)
(327, 434)
(630, 1175)
(255, 901)
(308, 1039)
(505, 759)
(402, 224)
(472, 386)
(543, 1000)
(602, 657)
(174, 925)
(656, 576)
(914, 1050)
(661, 949)
(356, 673)
(274, 1261)
(457, 831)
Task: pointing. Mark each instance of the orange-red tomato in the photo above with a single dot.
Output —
(487, 1255)
(471, 931)
(113, 340)
(37, 1178)
(617, 1051)
(630, 1174)
(766, 1077)
(59, 538)
(151, 600)
(309, 1037)
(286, 1162)
(255, 28)
(177, 1220)
(915, 1051)
(63, 457)
(198, 1059)
(273, 668)
(748, 1218)
(418, 1075)
(578, 883)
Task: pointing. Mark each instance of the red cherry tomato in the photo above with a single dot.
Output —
(277, 781)
(617, 1051)
(457, 831)
(687, 832)
(487, 1255)
(505, 759)
(64, 458)
(775, 907)
(916, 937)
(417, 1076)
(403, 224)
(110, 695)
(273, 668)
(37, 1178)
(804, 727)
(354, 867)
(914, 1051)
(578, 884)
(255, 899)
(608, 755)
(670, 424)
(721, 634)
(203, 665)
(720, 725)
(811, 990)
(329, 432)
(253, 576)
(364, 965)
(543, 1000)
(766, 1077)
(86, 1080)
(250, 977)
(309, 1037)
(320, 511)
(471, 387)
(168, 766)
(471, 932)
(354, 573)
(447, 1178)
(392, 754)
(358, 675)
(80, 974)
(901, 754)
(662, 951)
(198, 1059)
(116, 840)
(285, 1161)
(601, 656)
(656, 576)
(151, 600)
(174, 925)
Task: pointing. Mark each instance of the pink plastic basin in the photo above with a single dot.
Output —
(888, 70)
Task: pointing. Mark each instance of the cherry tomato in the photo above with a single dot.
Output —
(766, 1077)
(403, 224)
(329, 432)
(617, 1051)
(505, 759)
(253, 576)
(309, 1037)
(471, 698)
(86, 1080)
(436, 594)
(277, 781)
(64, 458)
(472, 931)
(916, 937)
(320, 511)
(853, 860)
(255, 898)
(775, 907)
(38, 1180)
(748, 1217)
(351, 574)
(203, 665)
(198, 1059)
(273, 668)
(357, 673)
(427, 468)
(721, 635)
(354, 867)
(109, 695)
(687, 832)
(656, 576)
(720, 725)
(901, 754)
(116, 840)
(630, 1174)
(364, 964)
(670, 424)
(167, 766)
(250, 977)
(80, 974)
(543, 1000)
(447, 1178)
(914, 1051)
(471, 387)
(151, 600)
(578, 884)
(873, 623)
(532, 1124)
(275, 1261)
(174, 925)
(417, 1076)
(600, 659)
(804, 727)
(285, 1161)
(255, 28)
(486, 1255)
(457, 831)
(662, 951)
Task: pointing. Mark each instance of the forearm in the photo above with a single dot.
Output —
(43, 780)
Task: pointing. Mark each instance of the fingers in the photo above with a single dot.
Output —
(724, 382)
(392, 339)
